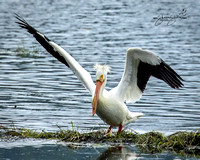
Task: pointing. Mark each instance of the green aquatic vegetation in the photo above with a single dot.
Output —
(27, 53)
(184, 140)
(151, 142)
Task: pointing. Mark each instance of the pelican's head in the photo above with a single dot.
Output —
(101, 72)
(101, 79)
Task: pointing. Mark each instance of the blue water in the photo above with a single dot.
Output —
(47, 94)
(51, 151)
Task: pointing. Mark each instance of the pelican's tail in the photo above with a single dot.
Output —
(137, 114)
(132, 116)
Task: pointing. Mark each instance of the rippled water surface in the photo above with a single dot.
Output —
(38, 92)
(50, 151)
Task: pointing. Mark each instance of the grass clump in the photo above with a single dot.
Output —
(26, 53)
(185, 142)
(151, 142)
(151, 138)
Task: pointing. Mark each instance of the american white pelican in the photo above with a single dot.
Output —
(109, 105)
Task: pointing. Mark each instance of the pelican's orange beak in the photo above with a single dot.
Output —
(96, 96)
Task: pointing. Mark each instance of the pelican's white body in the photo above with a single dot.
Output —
(110, 108)
(115, 113)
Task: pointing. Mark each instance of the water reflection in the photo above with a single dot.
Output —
(132, 153)
(118, 152)
(61, 151)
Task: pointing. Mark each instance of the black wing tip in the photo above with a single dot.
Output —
(165, 64)
(174, 80)
(24, 24)
(21, 20)
(161, 71)
(176, 84)
(16, 15)
(41, 38)
(179, 86)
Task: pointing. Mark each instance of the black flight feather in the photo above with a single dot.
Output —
(162, 71)
(42, 39)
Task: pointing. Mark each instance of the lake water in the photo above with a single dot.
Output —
(34, 150)
(37, 149)
(38, 92)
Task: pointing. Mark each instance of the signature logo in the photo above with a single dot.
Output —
(170, 19)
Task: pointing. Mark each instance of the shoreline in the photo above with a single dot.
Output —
(152, 142)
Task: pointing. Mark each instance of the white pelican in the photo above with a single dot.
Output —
(109, 105)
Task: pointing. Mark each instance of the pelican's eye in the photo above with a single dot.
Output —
(101, 78)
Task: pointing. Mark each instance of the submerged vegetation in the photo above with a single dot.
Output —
(25, 53)
(151, 142)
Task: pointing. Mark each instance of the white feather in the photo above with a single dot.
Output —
(127, 89)
(78, 70)
(105, 68)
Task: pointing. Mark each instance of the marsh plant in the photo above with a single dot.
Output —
(151, 142)
(30, 53)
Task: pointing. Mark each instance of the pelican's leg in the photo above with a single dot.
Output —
(109, 129)
(120, 128)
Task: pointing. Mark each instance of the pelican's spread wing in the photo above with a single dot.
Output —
(60, 54)
(140, 65)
